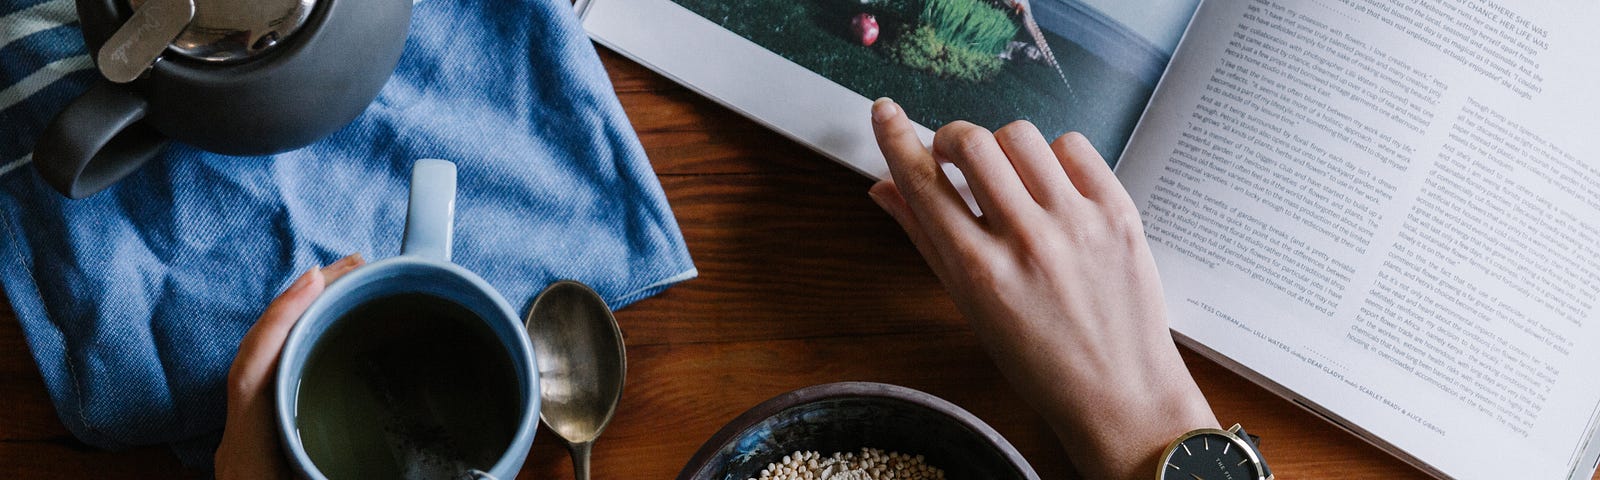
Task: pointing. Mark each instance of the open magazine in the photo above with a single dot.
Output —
(1386, 212)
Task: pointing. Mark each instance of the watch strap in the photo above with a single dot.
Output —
(1254, 442)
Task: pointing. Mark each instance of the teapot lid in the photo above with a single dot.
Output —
(234, 30)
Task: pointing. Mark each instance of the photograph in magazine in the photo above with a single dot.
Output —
(1084, 65)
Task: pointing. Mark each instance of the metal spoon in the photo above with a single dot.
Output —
(582, 365)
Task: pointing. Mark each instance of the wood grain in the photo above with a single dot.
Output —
(802, 281)
(34, 444)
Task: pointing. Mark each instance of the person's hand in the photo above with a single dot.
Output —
(250, 446)
(1056, 279)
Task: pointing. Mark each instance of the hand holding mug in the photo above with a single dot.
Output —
(250, 446)
(410, 367)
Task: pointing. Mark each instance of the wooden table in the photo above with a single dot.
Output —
(803, 280)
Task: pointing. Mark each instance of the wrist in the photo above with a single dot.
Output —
(1119, 431)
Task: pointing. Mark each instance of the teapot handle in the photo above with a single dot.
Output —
(95, 141)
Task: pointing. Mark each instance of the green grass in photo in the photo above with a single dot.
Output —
(959, 39)
(923, 49)
(975, 25)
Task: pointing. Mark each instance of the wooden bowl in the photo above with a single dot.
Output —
(849, 416)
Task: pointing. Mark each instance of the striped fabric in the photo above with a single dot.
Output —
(43, 66)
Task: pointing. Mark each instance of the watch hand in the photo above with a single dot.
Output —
(1196, 477)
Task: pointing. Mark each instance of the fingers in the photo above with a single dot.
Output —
(994, 181)
(341, 267)
(1036, 163)
(889, 199)
(258, 351)
(1088, 170)
(922, 184)
(249, 447)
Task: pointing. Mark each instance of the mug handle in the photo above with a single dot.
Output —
(430, 215)
(95, 141)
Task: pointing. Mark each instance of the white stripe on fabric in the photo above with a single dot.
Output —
(32, 84)
(18, 163)
(37, 18)
(21, 90)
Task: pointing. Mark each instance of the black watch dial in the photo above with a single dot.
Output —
(1210, 456)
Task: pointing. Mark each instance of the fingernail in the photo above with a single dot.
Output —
(303, 281)
(877, 199)
(883, 109)
(348, 262)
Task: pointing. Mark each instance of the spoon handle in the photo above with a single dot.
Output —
(580, 459)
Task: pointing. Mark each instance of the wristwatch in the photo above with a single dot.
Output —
(1212, 454)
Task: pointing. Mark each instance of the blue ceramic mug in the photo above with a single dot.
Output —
(423, 270)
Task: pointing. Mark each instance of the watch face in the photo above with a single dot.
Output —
(1210, 456)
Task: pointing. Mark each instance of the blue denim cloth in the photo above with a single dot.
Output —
(133, 300)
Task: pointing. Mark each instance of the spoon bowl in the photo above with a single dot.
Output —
(582, 365)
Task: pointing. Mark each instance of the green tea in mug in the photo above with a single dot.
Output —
(408, 386)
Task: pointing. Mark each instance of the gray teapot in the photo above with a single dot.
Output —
(235, 77)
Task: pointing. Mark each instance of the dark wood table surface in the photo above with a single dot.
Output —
(803, 280)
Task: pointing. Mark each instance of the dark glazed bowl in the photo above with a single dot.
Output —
(849, 416)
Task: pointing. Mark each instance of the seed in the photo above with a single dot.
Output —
(869, 464)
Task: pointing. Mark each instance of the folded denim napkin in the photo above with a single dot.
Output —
(133, 300)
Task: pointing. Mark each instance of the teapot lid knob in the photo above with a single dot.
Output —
(237, 30)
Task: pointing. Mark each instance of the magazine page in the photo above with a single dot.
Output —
(809, 68)
(1391, 210)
